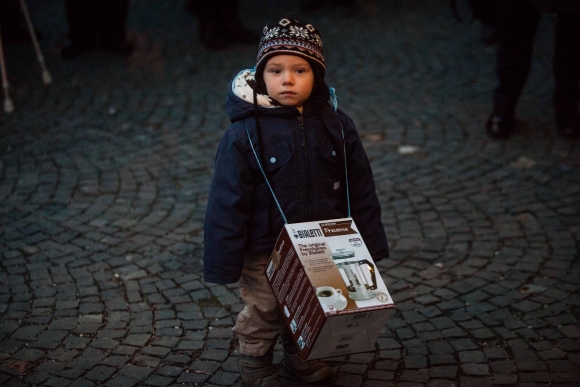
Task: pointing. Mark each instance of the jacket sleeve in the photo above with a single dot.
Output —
(228, 212)
(364, 203)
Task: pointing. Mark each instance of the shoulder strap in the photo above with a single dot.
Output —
(258, 158)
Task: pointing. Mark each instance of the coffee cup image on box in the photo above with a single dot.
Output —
(353, 270)
(328, 295)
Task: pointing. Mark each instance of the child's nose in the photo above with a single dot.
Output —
(288, 78)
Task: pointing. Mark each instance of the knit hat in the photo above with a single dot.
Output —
(290, 36)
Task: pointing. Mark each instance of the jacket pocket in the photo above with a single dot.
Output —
(330, 152)
(276, 156)
(330, 174)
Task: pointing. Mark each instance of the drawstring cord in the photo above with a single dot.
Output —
(334, 103)
(264, 174)
(261, 160)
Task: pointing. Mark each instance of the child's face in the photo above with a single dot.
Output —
(289, 79)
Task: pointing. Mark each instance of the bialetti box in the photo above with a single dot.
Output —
(328, 288)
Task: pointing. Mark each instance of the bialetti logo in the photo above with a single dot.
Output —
(337, 228)
(312, 233)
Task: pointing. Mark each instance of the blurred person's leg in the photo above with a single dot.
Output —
(513, 61)
(211, 29)
(12, 22)
(80, 16)
(219, 23)
(235, 30)
(567, 73)
(112, 26)
(488, 34)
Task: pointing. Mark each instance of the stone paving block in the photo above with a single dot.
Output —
(37, 378)
(536, 377)
(100, 373)
(445, 372)
(135, 372)
(50, 367)
(169, 371)
(81, 383)
(115, 361)
(121, 381)
(30, 355)
(177, 359)
(27, 333)
(471, 357)
(415, 362)
(193, 377)
(155, 351)
(137, 340)
(501, 379)
(441, 383)
(353, 368)
(416, 376)
(63, 323)
(531, 365)
(204, 366)
(214, 354)
(472, 223)
(475, 369)
(146, 361)
(503, 367)
(443, 359)
(387, 343)
(348, 380)
(392, 354)
(570, 378)
(57, 381)
(381, 375)
(475, 382)
(224, 378)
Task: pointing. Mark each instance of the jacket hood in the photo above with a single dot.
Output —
(240, 99)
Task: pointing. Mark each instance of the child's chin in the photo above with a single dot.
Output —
(288, 102)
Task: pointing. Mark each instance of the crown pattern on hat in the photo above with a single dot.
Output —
(290, 36)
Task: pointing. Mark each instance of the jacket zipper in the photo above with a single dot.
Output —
(308, 171)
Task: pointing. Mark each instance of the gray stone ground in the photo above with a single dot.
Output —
(104, 177)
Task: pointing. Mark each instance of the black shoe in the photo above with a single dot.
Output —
(568, 123)
(72, 50)
(500, 125)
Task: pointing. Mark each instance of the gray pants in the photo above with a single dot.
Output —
(260, 322)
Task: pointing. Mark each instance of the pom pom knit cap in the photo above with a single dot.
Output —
(292, 37)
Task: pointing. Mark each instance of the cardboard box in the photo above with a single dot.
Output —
(333, 299)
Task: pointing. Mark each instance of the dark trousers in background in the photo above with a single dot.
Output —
(10, 15)
(514, 56)
(91, 21)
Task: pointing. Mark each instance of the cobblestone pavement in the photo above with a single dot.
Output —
(104, 178)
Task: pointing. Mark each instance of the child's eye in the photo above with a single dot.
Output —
(275, 71)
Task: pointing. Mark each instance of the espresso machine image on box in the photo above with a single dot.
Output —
(352, 271)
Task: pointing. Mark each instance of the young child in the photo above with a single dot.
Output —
(283, 107)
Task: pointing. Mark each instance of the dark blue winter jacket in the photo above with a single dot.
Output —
(303, 156)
